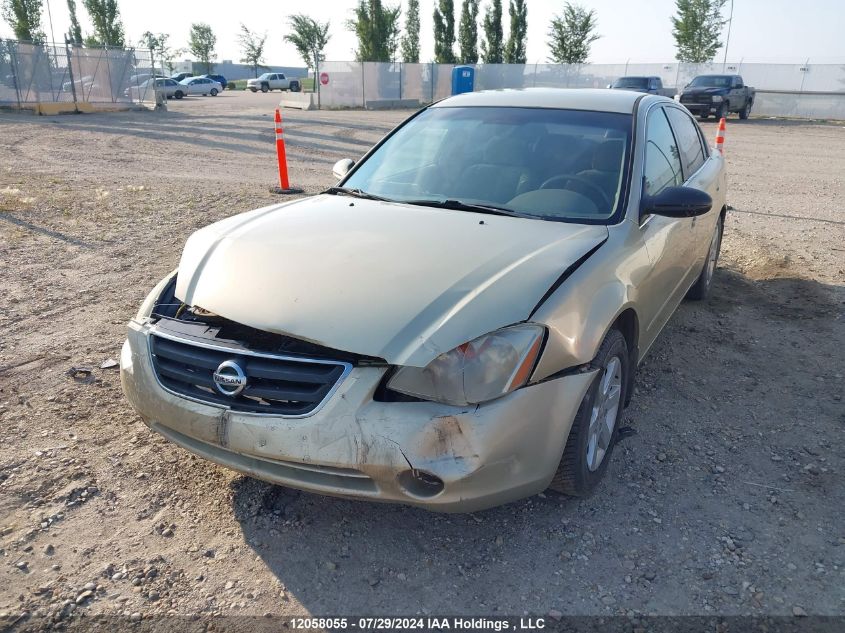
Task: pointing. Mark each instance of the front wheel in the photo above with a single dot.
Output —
(701, 288)
(593, 433)
(179, 94)
(746, 111)
(214, 92)
(253, 89)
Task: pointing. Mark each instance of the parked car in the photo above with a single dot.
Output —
(718, 95)
(218, 78)
(83, 83)
(181, 76)
(138, 79)
(455, 325)
(146, 90)
(273, 81)
(201, 86)
(649, 85)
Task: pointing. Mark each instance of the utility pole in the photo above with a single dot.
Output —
(728, 40)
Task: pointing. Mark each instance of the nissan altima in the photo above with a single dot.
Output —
(457, 323)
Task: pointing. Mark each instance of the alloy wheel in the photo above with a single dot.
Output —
(604, 412)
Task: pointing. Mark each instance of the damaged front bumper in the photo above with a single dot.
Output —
(439, 457)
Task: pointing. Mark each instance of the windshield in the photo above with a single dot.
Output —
(631, 82)
(264, 76)
(564, 165)
(711, 81)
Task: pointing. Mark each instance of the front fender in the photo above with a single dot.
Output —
(579, 314)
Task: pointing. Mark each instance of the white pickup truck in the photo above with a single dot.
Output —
(273, 81)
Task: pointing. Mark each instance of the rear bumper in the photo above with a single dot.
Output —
(356, 447)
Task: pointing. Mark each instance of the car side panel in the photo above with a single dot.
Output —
(712, 179)
(580, 312)
(669, 245)
(627, 272)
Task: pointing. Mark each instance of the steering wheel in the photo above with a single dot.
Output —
(594, 192)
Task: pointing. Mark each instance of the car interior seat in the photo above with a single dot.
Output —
(501, 175)
(606, 166)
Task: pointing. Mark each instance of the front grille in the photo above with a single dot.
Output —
(275, 385)
(703, 99)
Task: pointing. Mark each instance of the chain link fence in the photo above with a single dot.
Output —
(807, 90)
(55, 73)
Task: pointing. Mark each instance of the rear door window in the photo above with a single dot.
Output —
(689, 140)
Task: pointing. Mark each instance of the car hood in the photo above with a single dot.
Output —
(399, 282)
(709, 91)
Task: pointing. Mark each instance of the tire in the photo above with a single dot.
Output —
(214, 92)
(295, 86)
(701, 288)
(746, 111)
(253, 89)
(265, 87)
(179, 94)
(724, 111)
(703, 116)
(583, 464)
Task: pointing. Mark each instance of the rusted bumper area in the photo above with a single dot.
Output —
(384, 451)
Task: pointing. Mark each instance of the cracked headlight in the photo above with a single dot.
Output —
(717, 98)
(483, 369)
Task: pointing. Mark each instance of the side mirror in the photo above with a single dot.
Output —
(342, 167)
(678, 202)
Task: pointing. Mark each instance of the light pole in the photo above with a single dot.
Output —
(50, 19)
(728, 40)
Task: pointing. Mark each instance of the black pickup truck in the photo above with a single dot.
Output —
(718, 95)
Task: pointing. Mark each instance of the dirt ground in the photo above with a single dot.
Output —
(727, 498)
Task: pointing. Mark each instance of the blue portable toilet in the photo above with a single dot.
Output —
(463, 79)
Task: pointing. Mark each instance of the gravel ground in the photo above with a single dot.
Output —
(726, 498)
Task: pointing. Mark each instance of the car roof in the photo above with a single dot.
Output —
(598, 100)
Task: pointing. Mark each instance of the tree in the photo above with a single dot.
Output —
(309, 37)
(411, 39)
(157, 43)
(74, 34)
(394, 40)
(444, 32)
(696, 30)
(252, 48)
(24, 16)
(492, 51)
(468, 33)
(108, 29)
(571, 34)
(374, 25)
(201, 43)
(515, 48)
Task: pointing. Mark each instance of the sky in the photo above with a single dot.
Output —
(631, 30)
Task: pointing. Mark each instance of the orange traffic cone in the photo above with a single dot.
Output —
(720, 136)
(281, 153)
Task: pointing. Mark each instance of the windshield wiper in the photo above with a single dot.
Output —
(355, 193)
(460, 205)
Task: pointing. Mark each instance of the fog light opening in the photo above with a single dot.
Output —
(419, 483)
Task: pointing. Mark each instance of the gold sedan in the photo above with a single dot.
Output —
(455, 325)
